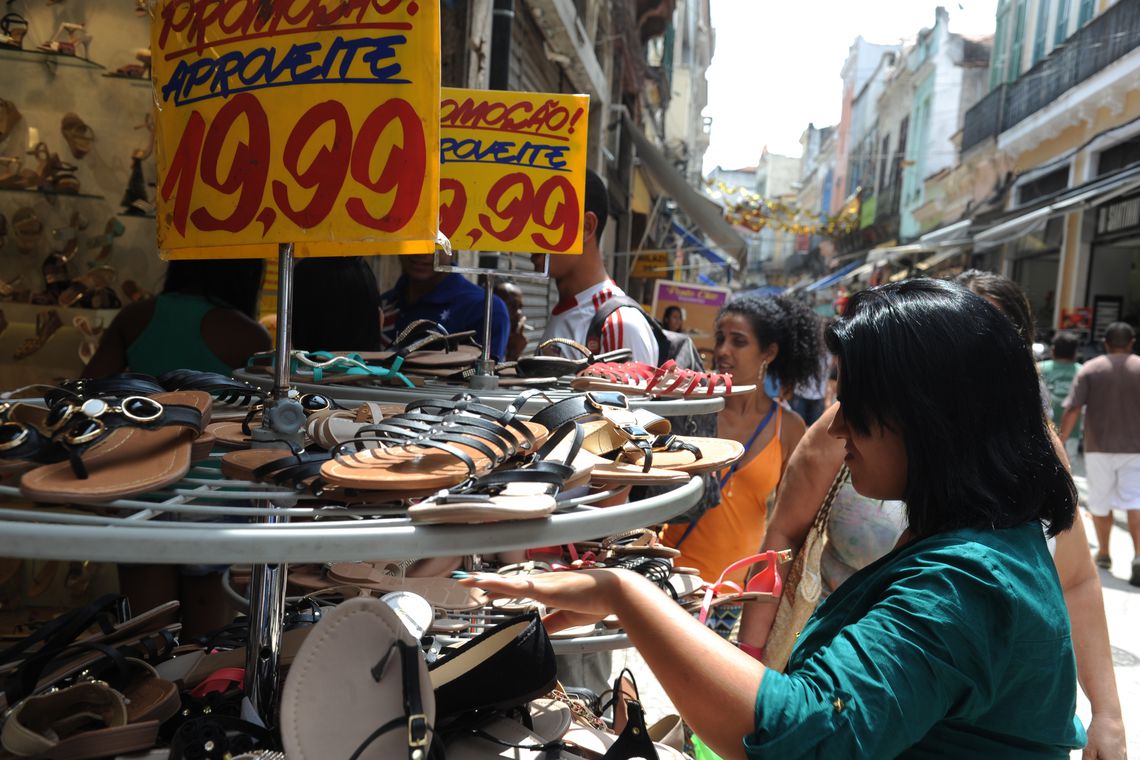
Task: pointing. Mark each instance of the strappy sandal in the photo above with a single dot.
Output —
(13, 29)
(320, 367)
(119, 448)
(523, 493)
(640, 542)
(26, 228)
(434, 444)
(666, 381)
(413, 348)
(540, 365)
(78, 135)
(47, 323)
(765, 585)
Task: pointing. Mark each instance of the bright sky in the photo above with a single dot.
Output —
(776, 64)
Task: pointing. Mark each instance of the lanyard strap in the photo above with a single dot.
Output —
(748, 446)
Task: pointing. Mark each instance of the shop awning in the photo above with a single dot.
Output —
(1024, 221)
(951, 234)
(835, 277)
(890, 253)
(703, 212)
(938, 258)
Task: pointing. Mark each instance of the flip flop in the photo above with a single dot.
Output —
(361, 665)
(541, 365)
(119, 449)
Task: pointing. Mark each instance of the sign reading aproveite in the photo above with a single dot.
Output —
(315, 123)
(512, 170)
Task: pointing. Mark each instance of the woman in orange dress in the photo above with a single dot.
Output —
(755, 337)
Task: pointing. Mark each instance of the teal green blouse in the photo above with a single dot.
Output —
(953, 646)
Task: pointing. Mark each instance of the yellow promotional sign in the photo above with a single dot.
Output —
(313, 122)
(512, 170)
(651, 265)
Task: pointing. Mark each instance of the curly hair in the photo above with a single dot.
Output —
(790, 324)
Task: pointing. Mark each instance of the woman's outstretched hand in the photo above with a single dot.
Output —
(580, 597)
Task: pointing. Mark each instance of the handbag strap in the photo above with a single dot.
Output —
(821, 517)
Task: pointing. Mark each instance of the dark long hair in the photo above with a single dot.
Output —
(235, 283)
(934, 362)
(336, 305)
(1008, 294)
(791, 325)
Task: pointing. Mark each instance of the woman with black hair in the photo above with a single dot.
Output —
(754, 337)
(336, 305)
(204, 319)
(954, 644)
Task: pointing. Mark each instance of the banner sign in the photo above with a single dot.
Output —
(312, 122)
(699, 306)
(512, 170)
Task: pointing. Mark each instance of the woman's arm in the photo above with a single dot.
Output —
(1085, 602)
(811, 469)
(710, 682)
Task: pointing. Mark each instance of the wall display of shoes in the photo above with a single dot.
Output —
(77, 176)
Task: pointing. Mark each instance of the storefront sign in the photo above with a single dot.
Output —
(699, 304)
(1118, 216)
(512, 170)
(315, 123)
(651, 265)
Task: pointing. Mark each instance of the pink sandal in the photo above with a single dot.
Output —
(765, 585)
(666, 381)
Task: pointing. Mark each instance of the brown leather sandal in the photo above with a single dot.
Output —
(47, 323)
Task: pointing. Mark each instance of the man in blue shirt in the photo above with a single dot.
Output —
(444, 297)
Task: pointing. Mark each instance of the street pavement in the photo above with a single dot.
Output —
(1121, 603)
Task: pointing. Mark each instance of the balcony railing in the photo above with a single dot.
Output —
(1107, 38)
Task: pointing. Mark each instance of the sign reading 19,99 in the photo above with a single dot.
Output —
(307, 121)
(512, 170)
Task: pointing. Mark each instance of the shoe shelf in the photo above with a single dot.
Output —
(40, 56)
(142, 81)
(498, 397)
(204, 519)
(51, 192)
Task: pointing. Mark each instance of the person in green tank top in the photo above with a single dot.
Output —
(956, 643)
(204, 319)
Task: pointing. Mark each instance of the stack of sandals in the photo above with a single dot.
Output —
(360, 681)
(91, 441)
(467, 462)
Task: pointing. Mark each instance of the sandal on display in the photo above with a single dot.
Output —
(92, 332)
(666, 381)
(764, 585)
(442, 593)
(67, 40)
(47, 323)
(56, 175)
(413, 348)
(363, 666)
(322, 367)
(523, 493)
(26, 229)
(9, 117)
(119, 448)
(540, 365)
(88, 720)
(13, 29)
(435, 444)
(78, 135)
(111, 230)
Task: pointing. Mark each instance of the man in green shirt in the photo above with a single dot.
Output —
(1058, 374)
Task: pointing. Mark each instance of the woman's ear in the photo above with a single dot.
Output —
(769, 354)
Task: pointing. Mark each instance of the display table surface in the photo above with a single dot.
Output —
(197, 522)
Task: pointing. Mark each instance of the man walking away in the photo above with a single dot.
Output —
(1108, 389)
(1058, 374)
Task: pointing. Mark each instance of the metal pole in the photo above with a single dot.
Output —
(263, 648)
(484, 377)
(282, 422)
(284, 319)
(499, 74)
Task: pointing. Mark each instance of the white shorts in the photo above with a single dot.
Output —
(1114, 482)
